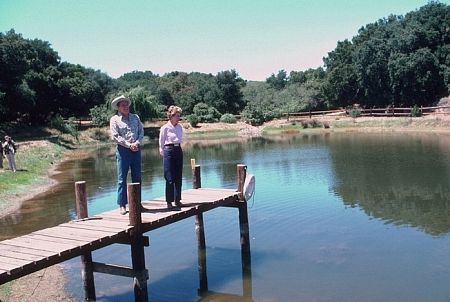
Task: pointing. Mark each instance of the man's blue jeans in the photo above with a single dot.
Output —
(173, 172)
(126, 160)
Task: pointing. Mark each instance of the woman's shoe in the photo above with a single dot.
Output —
(123, 210)
(169, 205)
(178, 203)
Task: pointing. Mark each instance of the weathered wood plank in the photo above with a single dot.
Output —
(67, 235)
(10, 268)
(28, 240)
(109, 224)
(96, 227)
(77, 229)
(14, 261)
(112, 269)
(90, 228)
(54, 239)
(86, 234)
(21, 256)
(4, 248)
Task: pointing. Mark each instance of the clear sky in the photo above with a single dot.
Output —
(256, 38)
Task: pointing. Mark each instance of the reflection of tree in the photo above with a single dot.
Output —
(223, 156)
(403, 179)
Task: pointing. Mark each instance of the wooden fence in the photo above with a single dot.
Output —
(391, 111)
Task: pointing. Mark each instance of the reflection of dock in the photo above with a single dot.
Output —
(24, 255)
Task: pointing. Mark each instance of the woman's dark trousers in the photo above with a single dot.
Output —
(173, 172)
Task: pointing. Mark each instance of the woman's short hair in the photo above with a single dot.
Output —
(173, 110)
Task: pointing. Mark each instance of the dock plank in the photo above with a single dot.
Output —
(21, 256)
(13, 261)
(5, 248)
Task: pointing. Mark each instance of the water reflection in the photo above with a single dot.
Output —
(402, 179)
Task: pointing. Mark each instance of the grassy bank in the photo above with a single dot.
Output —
(33, 160)
(436, 123)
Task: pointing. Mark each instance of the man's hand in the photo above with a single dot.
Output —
(134, 147)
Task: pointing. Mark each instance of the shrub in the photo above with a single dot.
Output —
(68, 127)
(193, 120)
(355, 112)
(311, 123)
(415, 111)
(100, 115)
(205, 113)
(228, 118)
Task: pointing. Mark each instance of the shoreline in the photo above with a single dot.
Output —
(13, 202)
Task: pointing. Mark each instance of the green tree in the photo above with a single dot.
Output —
(416, 79)
(229, 84)
(144, 104)
(278, 81)
(341, 85)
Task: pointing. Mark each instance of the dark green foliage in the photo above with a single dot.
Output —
(230, 85)
(205, 114)
(278, 81)
(144, 104)
(100, 115)
(416, 111)
(68, 127)
(34, 85)
(193, 120)
(396, 60)
(355, 112)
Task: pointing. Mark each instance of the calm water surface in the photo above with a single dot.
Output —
(335, 217)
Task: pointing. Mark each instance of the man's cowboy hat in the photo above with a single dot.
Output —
(118, 99)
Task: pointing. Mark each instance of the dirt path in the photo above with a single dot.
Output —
(43, 286)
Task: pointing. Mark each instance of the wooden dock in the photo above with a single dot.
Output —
(26, 254)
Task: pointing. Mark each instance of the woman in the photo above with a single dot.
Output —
(170, 139)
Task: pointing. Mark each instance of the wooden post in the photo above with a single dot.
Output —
(241, 173)
(245, 234)
(81, 199)
(196, 179)
(201, 252)
(137, 243)
(200, 233)
(245, 250)
(87, 270)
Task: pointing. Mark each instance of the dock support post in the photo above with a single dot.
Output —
(245, 234)
(200, 233)
(137, 244)
(87, 270)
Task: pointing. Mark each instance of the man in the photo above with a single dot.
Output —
(127, 131)
(1, 155)
(9, 149)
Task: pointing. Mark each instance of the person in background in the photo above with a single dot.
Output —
(1, 155)
(9, 149)
(170, 139)
(127, 132)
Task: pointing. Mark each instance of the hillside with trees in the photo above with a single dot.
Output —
(397, 60)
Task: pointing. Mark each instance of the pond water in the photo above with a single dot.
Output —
(335, 217)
